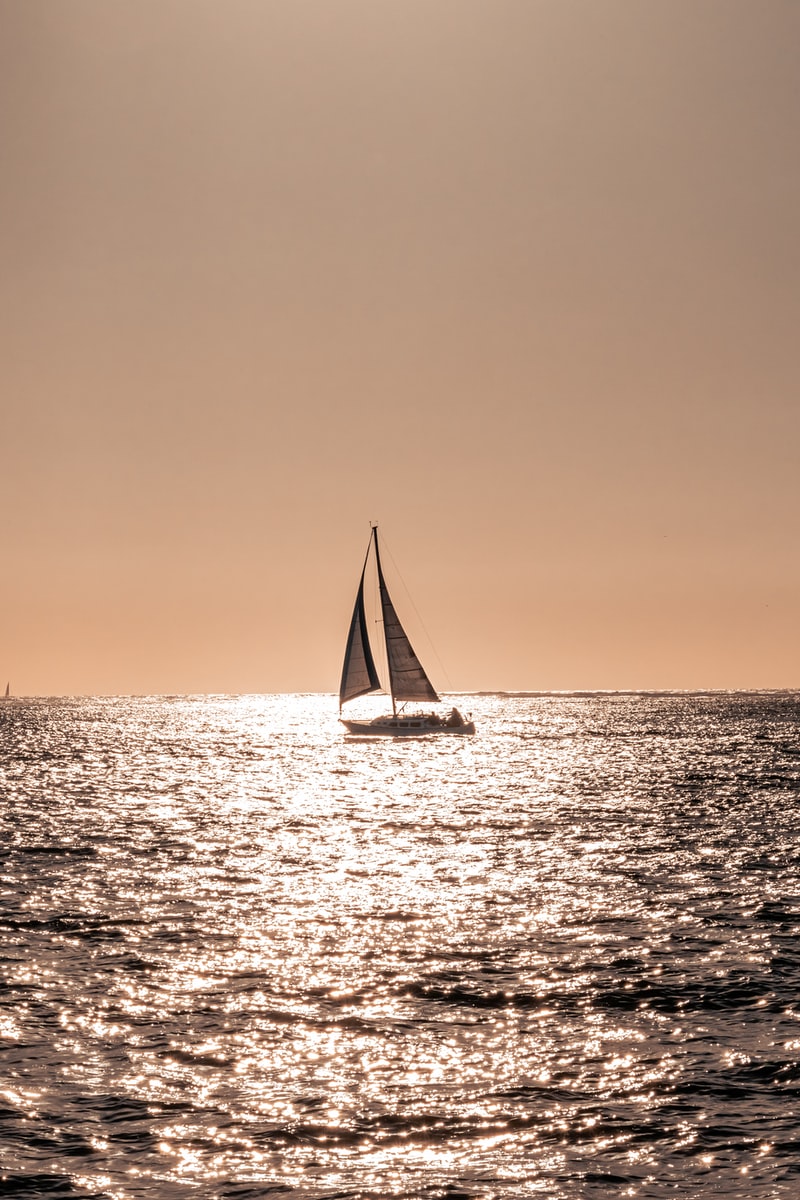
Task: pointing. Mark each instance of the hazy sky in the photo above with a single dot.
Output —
(517, 279)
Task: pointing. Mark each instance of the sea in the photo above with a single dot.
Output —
(243, 954)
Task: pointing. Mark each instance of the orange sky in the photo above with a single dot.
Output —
(518, 279)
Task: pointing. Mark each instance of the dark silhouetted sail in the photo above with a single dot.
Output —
(407, 678)
(358, 670)
(406, 675)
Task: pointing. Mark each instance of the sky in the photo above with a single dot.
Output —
(519, 280)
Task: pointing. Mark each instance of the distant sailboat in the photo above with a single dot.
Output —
(407, 679)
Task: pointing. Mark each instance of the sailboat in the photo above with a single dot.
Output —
(407, 680)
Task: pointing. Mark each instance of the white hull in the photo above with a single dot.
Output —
(416, 725)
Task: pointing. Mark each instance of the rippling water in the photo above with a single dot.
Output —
(243, 955)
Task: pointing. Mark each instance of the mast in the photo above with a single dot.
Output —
(384, 592)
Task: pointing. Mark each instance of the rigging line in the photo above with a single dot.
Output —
(410, 598)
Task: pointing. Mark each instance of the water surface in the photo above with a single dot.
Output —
(243, 955)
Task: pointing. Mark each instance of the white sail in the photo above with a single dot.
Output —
(359, 675)
(407, 678)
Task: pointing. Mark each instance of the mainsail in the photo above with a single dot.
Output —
(407, 678)
(359, 675)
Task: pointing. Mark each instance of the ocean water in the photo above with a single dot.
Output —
(243, 955)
